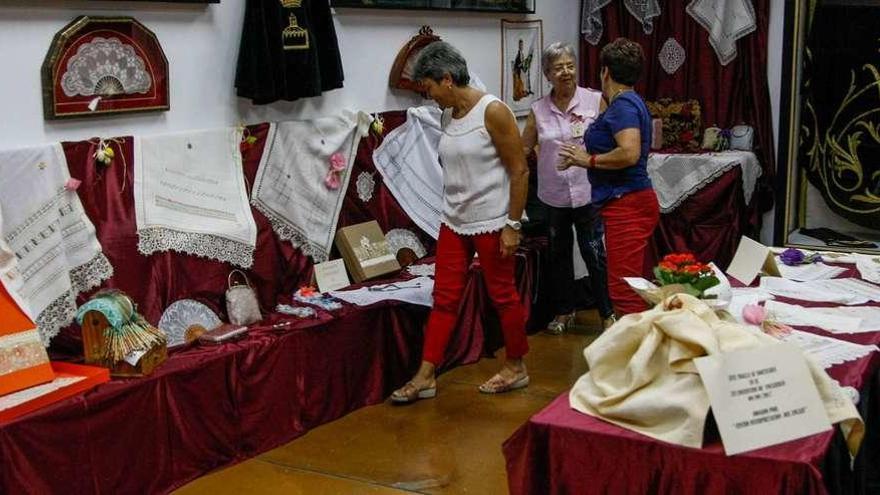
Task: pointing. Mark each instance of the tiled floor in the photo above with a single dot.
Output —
(447, 445)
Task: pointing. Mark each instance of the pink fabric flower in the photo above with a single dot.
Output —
(754, 314)
(72, 184)
(337, 165)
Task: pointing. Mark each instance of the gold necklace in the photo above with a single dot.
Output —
(618, 93)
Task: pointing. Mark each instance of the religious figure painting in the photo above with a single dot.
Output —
(521, 79)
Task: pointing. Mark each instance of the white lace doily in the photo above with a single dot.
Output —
(401, 238)
(671, 56)
(365, 186)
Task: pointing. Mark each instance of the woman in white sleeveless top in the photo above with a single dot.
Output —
(485, 180)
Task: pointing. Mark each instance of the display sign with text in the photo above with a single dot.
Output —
(762, 397)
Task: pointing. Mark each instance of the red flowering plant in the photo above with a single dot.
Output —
(684, 270)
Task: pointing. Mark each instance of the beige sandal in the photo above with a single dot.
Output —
(498, 384)
(409, 393)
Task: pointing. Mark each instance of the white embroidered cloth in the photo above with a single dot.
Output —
(29, 394)
(828, 351)
(289, 188)
(46, 227)
(410, 166)
(591, 20)
(418, 291)
(676, 177)
(726, 21)
(190, 196)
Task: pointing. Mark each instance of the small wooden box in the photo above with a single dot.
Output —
(94, 324)
(365, 251)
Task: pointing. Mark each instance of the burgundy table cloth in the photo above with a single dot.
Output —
(560, 450)
(211, 406)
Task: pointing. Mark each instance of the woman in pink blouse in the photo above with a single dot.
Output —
(561, 118)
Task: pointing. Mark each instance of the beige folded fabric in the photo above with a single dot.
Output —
(642, 376)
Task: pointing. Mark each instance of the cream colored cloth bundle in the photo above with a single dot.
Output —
(642, 375)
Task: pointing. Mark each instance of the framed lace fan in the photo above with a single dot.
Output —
(104, 65)
(401, 70)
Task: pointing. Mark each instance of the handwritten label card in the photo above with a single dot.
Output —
(762, 397)
(331, 275)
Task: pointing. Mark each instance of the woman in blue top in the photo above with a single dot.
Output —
(616, 158)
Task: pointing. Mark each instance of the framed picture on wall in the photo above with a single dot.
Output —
(521, 78)
(517, 6)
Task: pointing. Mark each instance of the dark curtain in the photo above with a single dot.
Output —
(728, 95)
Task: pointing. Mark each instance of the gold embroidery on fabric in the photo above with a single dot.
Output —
(294, 36)
(834, 154)
(288, 4)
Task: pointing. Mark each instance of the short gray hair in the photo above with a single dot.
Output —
(438, 59)
(554, 51)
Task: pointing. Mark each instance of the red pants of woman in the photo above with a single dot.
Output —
(629, 225)
(454, 255)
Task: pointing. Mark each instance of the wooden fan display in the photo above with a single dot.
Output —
(401, 70)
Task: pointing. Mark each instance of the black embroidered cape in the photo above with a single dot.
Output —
(288, 51)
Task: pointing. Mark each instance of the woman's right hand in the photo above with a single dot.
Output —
(572, 155)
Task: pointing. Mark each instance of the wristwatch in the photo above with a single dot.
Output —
(514, 224)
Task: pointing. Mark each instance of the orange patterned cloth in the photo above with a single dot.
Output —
(23, 359)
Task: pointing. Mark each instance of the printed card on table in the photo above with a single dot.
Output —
(762, 397)
(331, 275)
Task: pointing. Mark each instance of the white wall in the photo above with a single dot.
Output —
(201, 44)
(774, 81)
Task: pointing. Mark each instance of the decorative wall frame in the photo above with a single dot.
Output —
(401, 69)
(828, 177)
(104, 65)
(506, 6)
(522, 82)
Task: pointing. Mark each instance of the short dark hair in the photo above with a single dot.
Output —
(438, 59)
(624, 59)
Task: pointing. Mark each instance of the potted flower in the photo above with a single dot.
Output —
(681, 272)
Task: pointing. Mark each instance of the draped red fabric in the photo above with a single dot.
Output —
(728, 95)
(708, 224)
(207, 407)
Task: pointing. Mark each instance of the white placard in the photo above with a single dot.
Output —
(750, 259)
(331, 275)
(762, 397)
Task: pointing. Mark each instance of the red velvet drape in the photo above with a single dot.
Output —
(728, 95)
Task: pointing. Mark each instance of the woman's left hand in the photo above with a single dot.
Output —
(572, 155)
(509, 241)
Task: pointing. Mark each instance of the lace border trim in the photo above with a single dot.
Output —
(288, 232)
(155, 239)
(697, 187)
(61, 312)
(484, 227)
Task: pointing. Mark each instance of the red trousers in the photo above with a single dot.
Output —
(629, 225)
(454, 255)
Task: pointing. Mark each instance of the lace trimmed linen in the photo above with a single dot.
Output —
(676, 177)
(644, 11)
(44, 224)
(410, 166)
(726, 21)
(398, 239)
(591, 20)
(190, 196)
(289, 188)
